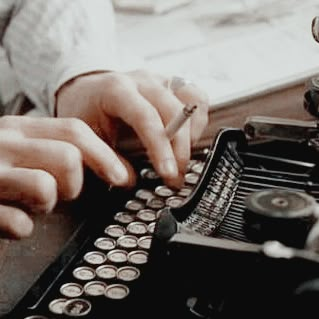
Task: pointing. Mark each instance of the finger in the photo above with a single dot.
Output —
(95, 152)
(139, 114)
(60, 159)
(34, 189)
(14, 222)
(191, 94)
(170, 107)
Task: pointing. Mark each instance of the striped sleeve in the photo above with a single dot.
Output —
(48, 43)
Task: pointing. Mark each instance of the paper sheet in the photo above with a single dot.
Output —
(231, 49)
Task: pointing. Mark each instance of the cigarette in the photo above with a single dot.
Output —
(177, 122)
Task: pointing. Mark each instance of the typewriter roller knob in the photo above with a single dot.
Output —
(311, 97)
(283, 215)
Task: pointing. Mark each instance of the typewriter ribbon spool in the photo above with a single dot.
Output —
(283, 215)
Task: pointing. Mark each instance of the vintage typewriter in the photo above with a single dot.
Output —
(239, 238)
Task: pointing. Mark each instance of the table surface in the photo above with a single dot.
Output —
(21, 262)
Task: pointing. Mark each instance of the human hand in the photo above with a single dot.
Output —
(41, 161)
(110, 101)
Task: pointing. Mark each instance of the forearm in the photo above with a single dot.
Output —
(51, 42)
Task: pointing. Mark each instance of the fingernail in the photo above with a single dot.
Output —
(168, 168)
(119, 175)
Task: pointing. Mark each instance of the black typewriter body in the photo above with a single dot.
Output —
(197, 260)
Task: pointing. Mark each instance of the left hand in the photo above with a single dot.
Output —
(141, 101)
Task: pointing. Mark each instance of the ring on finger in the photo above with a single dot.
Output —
(175, 83)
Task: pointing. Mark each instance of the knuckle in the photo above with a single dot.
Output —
(75, 127)
(45, 191)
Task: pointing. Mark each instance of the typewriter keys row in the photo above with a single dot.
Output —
(119, 254)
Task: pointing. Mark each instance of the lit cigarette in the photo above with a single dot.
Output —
(177, 122)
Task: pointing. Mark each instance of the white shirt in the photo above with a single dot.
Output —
(44, 43)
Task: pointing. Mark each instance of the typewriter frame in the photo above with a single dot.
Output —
(190, 276)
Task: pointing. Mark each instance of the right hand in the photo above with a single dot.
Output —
(41, 161)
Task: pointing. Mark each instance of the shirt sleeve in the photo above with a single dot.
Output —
(48, 43)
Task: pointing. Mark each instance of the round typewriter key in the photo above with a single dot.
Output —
(36, 317)
(134, 205)
(144, 242)
(71, 290)
(117, 256)
(164, 191)
(198, 167)
(151, 227)
(137, 257)
(146, 215)
(95, 257)
(191, 178)
(124, 217)
(127, 242)
(155, 203)
(95, 288)
(137, 228)
(149, 173)
(106, 271)
(84, 273)
(115, 231)
(117, 291)
(77, 307)
(144, 194)
(56, 306)
(190, 164)
(128, 273)
(105, 243)
(175, 201)
(185, 191)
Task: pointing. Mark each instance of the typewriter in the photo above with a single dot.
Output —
(241, 237)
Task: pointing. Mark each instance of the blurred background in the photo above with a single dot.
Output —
(231, 48)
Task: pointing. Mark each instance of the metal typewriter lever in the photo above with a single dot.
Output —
(264, 127)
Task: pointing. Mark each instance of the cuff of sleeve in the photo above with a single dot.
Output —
(73, 66)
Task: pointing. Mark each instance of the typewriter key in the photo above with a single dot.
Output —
(95, 288)
(185, 191)
(127, 242)
(144, 194)
(71, 290)
(56, 306)
(124, 217)
(198, 167)
(117, 291)
(283, 215)
(191, 178)
(117, 256)
(134, 205)
(84, 273)
(128, 273)
(175, 201)
(137, 228)
(151, 227)
(164, 191)
(137, 257)
(106, 271)
(149, 173)
(155, 203)
(95, 257)
(105, 243)
(144, 242)
(115, 231)
(36, 317)
(146, 215)
(77, 307)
